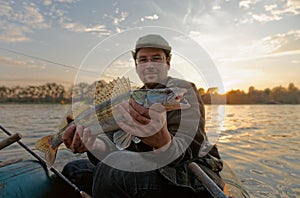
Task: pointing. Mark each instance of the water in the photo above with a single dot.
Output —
(259, 142)
(33, 122)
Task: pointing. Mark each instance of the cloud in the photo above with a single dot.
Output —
(11, 32)
(293, 3)
(8, 62)
(66, 1)
(121, 18)
(27, 15)
(152, 18)
(17, 21)
(260, 11)
(271, 46)
(116, 18)
(28, 63)
(47, 2)
(5, 9)
(292, 7)
(246, 4)
(99, 30)
(284, 43)
(295, 61)
(224, 48)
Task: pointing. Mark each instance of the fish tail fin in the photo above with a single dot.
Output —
(44, 145)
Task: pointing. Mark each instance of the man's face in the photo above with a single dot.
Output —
(152, 66)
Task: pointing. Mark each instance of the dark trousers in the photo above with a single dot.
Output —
(80, 172)
(103, 181)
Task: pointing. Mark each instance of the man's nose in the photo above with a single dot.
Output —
(149, 64)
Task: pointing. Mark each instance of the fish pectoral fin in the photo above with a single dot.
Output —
(136, 140)
(122, 139)
(45, 146)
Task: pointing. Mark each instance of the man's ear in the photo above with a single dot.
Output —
(168, 61)
(133, 53)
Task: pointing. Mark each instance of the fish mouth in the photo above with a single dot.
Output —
(184, 104)
(179, 103)
(180, 100)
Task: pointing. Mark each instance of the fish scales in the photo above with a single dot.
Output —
(107, 98)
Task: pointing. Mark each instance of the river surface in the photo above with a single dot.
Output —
(259, 142)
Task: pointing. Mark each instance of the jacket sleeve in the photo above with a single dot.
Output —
(186, 127)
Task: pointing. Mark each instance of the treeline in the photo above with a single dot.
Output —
(48, 93)
(56, 93)
(276, 95)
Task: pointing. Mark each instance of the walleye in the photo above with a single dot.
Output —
(106, 99)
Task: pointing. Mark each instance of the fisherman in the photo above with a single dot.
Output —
(178, 135)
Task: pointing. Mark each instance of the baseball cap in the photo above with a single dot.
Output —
(152, 41)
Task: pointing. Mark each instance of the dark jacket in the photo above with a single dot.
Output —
(189, 143)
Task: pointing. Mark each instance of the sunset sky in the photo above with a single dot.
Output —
(251, 42)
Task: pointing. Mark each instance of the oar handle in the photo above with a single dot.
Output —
(207, 182)
(10, 140)
(25, 147)
(83, 194)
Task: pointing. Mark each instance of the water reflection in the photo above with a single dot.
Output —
(262, 143)
(259, 142)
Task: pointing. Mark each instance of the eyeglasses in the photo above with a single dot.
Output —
(155, 58)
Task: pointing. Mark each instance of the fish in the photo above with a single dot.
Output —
(107, 96)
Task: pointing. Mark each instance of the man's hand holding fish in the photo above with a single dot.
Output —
(79, 139)
(149, 125)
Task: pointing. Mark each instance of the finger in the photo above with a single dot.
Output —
(139, 108)
(76, 143)
(68, 134)
(87, 138)
(136, 115)
(140, 127)
(130, 129)
(138, 112)
(79, 131)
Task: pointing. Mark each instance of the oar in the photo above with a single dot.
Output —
(82, 193)
(207, 182)
(10, 140)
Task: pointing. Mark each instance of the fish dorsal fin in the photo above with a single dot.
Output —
(102, 92)
(112, 89)
(121, 86)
